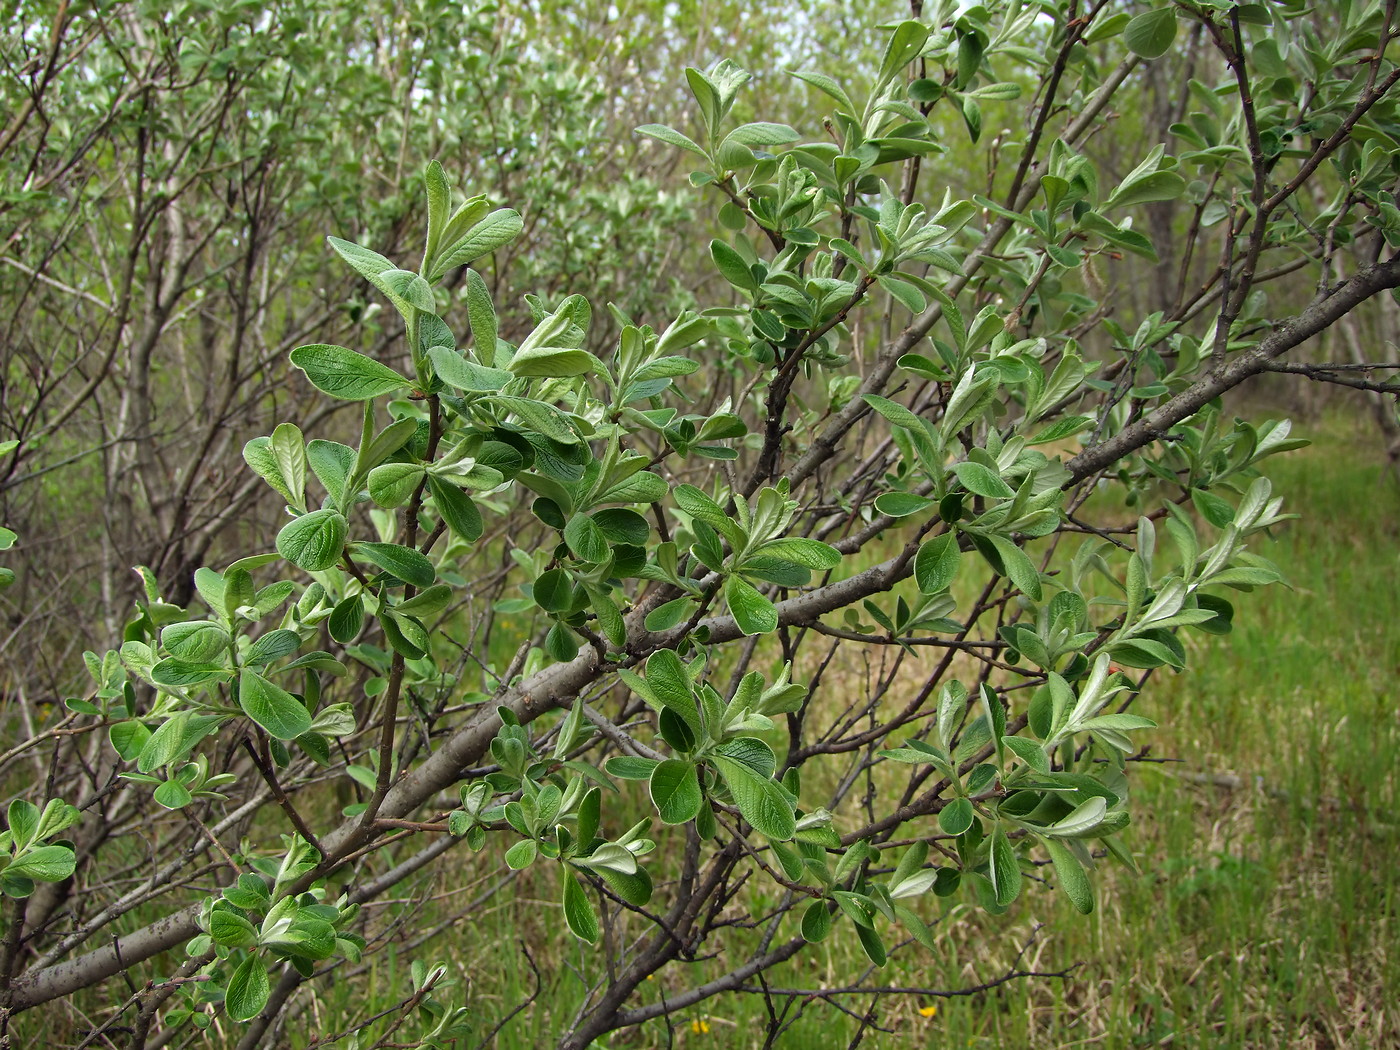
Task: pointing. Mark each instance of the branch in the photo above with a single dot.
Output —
(1324, 311)
(1329, 374)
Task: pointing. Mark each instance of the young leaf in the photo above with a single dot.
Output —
(760, 800)
(1005, 870)
(342, 373)
(936, 564)
(313, 541)
(1073, 879)
(675, 790)
(1019, 567)
(671, 137)
(1150, 34)
(811, 554)
(403, 562)
(456, 508)
(521, 855)
(754, 613)
(248, 990)
(586, 540)
(956, 817)
(816, 922)
(982, 481)
(270, 706)
(578, 913)
(44, 864)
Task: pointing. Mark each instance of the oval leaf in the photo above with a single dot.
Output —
(675, 790)
(272, 707)
(248, 990)
(341, 372)
(313, 541)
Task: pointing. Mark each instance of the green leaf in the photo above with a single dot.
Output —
(903, 292)
(332, 463)
(982, 481)
(181, 673)
(670, 684)
(44, 864)
(258, 454)
(811, 554)
(1005, 871)
(23, 819)
(313, 541)
(895, 413)
(1019, 567)
(232, 930)
(174, 739)
(761, 801)
(198, 641)
(288, 449)
(1150, 34)
(1073, 879)
(344, 374)
(552, 362)
(403, 562)
(816, 922)
(629, 767)
(1156, 186)
(956, 817)
(754, 613)
(671, 137)
(482, 316)
(128, 739)
(664, 617)
(540, 417)
(250, 893)
(553, 590)
(936, 564)
(1029, 752)
(346, 619)
(499, 228)
(871, 944)
(456, 508)
(272, 646)
(457, 371)
(902, 504)
(732, 267)
(620, 525)
(827, 85)
(642, 487)
(248, 990)
(522, 854)
(1063, 428)
(270, 706)
(675, 791)
(586, 540)
(173, 795)
(906, 42)
(1215, 510)
(578, 913)
(431, 602)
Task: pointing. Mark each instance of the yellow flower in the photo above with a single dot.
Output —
(927, 1011)
(700, 1026)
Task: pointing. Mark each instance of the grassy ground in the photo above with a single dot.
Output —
(1264, 913)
